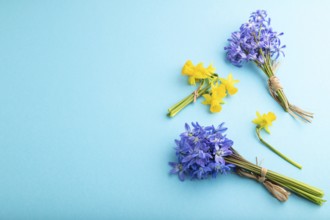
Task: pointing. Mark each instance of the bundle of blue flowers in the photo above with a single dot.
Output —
(257, 42)
(204, 152)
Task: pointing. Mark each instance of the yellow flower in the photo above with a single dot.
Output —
(215, 99)
(196, 73)
(265, 120)
(229, 84)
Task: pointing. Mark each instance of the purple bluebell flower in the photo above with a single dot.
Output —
(177, 169)
(201, 172)
(255, 41)
(220, 168)
(200, 152)
(220, 152)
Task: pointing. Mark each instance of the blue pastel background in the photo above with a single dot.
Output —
(84, 91)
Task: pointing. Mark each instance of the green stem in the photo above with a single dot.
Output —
(267, 69)
(282, 98)
(302, 189)
(269, 72)
(186, 101)
(276, 151)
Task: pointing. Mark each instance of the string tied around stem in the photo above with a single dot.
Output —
(277, 191)
(276, 91)
(195, 93)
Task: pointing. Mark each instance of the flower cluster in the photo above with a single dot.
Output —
(220, 87)
(215, 98)
(211, 87)
(201, 151)
(255, 41)
(196, 73)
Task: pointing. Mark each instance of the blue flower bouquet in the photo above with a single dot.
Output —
(204, 152)
(257, 42)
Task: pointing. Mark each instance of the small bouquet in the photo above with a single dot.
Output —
(206, 151)
(257, 42)
(262, 123)
(213, 88)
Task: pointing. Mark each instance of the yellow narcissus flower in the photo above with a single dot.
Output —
(215, 99)
(196, 73)
(265, 120)
(229, 84)
(188, 70)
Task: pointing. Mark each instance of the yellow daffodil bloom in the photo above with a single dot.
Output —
(215, 99)
(265, 120)
(196, 73)
(229, 84)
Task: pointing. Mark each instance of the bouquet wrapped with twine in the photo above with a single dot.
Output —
(210, 85)
(204, 152)
(256, 41)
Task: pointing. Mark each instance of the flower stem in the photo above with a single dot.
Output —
(267, 69)
(176, 108)
(276, 151)
(302, 189)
